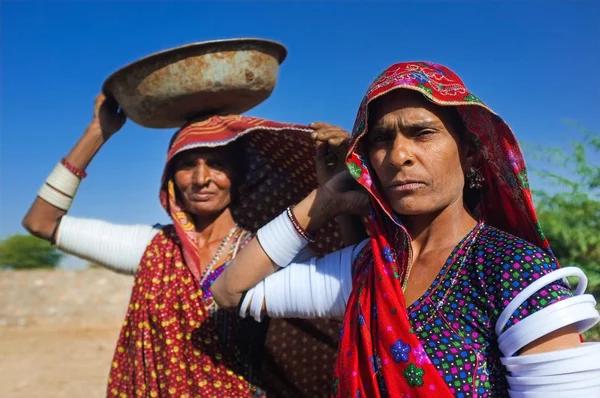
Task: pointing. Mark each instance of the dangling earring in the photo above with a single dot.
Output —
(475, 178)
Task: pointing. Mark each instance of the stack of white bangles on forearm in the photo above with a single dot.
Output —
(573, 372)
(280, 241)
(60, 187)
(304, 288)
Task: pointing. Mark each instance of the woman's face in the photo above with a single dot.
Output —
(416, 154)
(203, 178)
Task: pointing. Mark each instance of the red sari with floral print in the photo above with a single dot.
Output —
(174, 342)
(379, 354)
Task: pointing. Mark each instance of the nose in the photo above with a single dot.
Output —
(401, 153)
(200, 174)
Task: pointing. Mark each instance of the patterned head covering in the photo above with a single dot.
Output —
(280, 172)
(377, 299)
(507, 202)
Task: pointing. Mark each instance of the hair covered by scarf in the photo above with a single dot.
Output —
(279, 171)
(379, 353)
(279, 160)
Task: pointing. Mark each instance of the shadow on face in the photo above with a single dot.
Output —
(204, 178)
(417, 152)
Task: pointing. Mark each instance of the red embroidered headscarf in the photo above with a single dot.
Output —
(373, 362)
(280, 171)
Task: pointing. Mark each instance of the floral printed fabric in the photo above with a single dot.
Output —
(455, 318)
(376, 323)
(172, 342)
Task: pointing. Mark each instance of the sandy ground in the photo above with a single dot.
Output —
(58, 330)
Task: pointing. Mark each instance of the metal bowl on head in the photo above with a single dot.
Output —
(174, 87)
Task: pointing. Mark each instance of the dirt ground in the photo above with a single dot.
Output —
(58, 330)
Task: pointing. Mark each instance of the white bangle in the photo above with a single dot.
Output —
(534, 287)
(313, 288)
(525, 363)
(309, 288)
(571, 372)
(280, 241)
(116, 247)
(54, 197)
(246, 302)
(579, 311)
(519, 382)
(582, 362)
(63, 180)
(60, 187)
(257, 301)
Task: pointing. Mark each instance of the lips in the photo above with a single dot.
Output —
(201, 196)
(406, 185)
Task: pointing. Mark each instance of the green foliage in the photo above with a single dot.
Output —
(92, 265)
(569, 207)
(28, 252)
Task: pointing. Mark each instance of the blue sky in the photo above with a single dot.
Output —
(534, 64)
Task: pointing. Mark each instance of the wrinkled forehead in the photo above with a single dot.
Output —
(397, 98)
(202, 151)
(385, 109)
(223, 153)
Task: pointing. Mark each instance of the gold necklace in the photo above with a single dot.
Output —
(407, 273)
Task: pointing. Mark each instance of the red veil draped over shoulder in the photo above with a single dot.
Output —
(379, 353)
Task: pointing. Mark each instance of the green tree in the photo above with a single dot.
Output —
(569, 206)
(27, 252)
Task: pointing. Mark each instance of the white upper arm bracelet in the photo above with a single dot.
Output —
(538, 284)
(117, 247)
(313, 288)
(571, 372)
(579, 311)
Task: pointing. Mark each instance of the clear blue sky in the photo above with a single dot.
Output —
(534, 63)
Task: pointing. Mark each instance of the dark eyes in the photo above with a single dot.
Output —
(186, 164)
(385, 136)
(380, 136)
(424, 133)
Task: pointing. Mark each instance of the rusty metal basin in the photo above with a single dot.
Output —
(173, 87)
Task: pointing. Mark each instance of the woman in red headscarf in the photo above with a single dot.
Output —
(224, 177)
(456, 285)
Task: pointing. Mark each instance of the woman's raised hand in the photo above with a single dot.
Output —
(107, 115)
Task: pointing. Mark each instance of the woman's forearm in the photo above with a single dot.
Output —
(253, 264)
(42, 216)
(309, 287)
(88, 145)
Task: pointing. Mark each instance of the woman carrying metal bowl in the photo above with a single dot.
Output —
(224, 178)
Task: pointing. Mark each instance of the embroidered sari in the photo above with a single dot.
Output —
(173, 341)
(385, 347)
